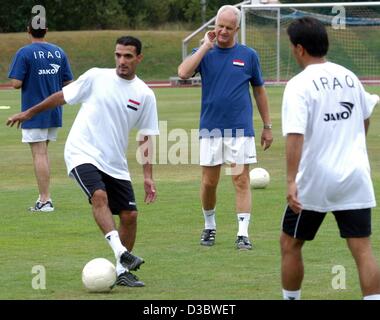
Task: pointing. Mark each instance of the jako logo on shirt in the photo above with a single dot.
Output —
(340, 115)
(54, 70)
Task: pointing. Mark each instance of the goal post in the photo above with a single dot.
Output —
(353, 28)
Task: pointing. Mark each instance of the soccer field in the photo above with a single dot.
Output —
(176, 267)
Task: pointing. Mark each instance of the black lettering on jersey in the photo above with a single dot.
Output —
(336, 84)
(329, 117)
(350, 82)
(325, 83)
(316, 87)
(340, 115)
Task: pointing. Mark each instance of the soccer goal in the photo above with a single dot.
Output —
(353, 28)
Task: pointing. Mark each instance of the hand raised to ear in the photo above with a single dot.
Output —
(209, 38)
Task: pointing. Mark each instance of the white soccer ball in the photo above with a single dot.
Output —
(259, 178)
(99, 275)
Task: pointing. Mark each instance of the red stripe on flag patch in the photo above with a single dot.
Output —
(238, 62)
(133, 101)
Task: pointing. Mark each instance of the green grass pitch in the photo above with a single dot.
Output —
(176, 267)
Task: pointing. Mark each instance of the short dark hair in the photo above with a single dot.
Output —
(38, 32)
(311, 34)
(130, 41)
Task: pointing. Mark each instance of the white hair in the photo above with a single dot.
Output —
(235, 10)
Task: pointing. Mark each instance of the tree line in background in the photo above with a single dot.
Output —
(111, 14)
(105, 14)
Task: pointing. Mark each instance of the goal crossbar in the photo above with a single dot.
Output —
(276, 16)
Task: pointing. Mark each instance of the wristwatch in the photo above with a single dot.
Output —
(267, 126)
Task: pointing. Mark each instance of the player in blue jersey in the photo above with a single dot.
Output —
(226, 121)
(40, 69)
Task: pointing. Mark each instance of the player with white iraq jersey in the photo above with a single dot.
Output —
(328, 105)
(111, 107)
(113, 102)
(325, 119)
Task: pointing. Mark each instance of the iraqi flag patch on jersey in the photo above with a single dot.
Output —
(132, 104)
(238, 62)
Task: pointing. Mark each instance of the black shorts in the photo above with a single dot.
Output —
(119, 192)
(304, 226)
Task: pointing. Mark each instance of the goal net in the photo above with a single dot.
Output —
(353, 28)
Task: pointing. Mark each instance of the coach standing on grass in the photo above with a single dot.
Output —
(113, 102)
(40, 69)
(226, 122)
(325, 118)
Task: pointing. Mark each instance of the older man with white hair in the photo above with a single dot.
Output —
(226, 121)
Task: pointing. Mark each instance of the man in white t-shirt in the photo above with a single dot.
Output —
(325, 118)
(113, 102)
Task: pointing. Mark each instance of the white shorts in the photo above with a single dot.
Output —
(229, 150)
(38, 135)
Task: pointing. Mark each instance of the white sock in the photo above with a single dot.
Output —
(39, 199)
(114, 241)
(209, 216)
(372, 297)
(291, 295)
(243, 222)
(119, 267)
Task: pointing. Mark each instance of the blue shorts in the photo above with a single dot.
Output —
(119, 192)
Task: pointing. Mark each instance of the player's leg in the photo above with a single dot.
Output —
(209, 183)
(128, 228)
(103, 217)
(211, 158)
(292, 268)
(243, 197)
(101, 212)
(91, 180)
(243, 203)
(368, 269)
(127, 232)
(241, 151)
(41, 168)
(121, 201)
(296, 229)
(38, 140)
(355, 227)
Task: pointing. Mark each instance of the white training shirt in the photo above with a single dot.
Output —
(328, 105)
(111, 107)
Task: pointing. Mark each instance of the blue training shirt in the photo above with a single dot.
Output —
(226, 101)
(43, 68)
